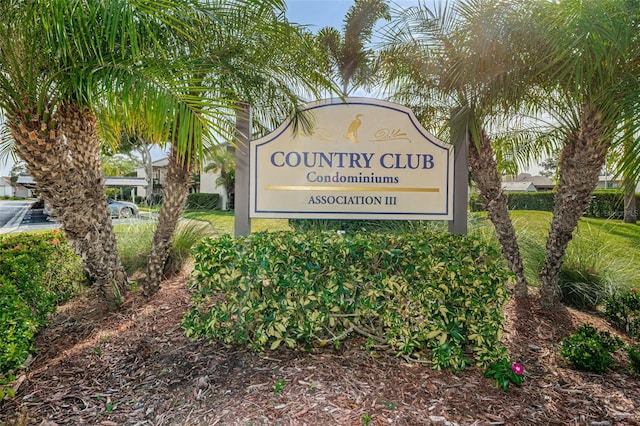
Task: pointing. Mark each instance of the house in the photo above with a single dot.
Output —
(608, 182)
(6, 189)
(526, 182)
(518, 187)
(23, 187)
(207, 183)
(25, 184)
(612, 182)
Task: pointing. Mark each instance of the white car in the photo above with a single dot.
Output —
(121, 209)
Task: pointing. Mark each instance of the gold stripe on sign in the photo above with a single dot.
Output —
(347, 188)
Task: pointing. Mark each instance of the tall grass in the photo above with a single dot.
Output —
(134, 244)
(593, 264)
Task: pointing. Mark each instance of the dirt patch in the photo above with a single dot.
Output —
(135, 367)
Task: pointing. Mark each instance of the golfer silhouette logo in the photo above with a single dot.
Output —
(352, 132)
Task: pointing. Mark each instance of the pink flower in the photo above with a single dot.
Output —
(266, 282)
(517, 368)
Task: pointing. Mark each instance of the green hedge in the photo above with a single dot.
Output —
(199, 201)
(37, 272)
(605, 204)
(357, 225)
(410, 292)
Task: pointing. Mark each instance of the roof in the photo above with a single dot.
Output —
(163, 162)
(518, 186)
(538, 181)
(27, 181)
(124, 181)
(5, 181)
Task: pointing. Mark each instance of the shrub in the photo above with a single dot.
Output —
(505, 372)
(605, 204)
(412, 292)
(39, 271)
(622, 310)
(634, 358)
(589, 349)
(199, 201)
(396, 226)
(542, 201)
(18, 326)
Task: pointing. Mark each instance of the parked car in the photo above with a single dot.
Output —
(121, 209)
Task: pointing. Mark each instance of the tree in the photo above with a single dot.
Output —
(62, 62)
(118, 165)
(18, 169)
(549, 166)
(593, 56)
(248, 55)
(464, 65)
(222, 162)
(346, 58)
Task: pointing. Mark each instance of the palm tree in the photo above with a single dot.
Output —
(593, 57)
(467, 57)
(249, 55)
(62, 61)
(346, 59)
(221, 161)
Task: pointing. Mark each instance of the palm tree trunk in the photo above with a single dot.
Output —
(485, 173)
(174, 196)
(145, 152)
(581, 160)
(68, 175)
(629, 186)
(630, 205)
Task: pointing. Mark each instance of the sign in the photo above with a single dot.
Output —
(363, 159)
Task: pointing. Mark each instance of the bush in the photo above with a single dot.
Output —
(18, 326)
(605, 203)
(38, 272)
(622, 310)
(397, 226)
(411, 292)
(542, 201)
(589, 349)
(634, 358)
(199, 201)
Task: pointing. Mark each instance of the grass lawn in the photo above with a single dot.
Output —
(609, 247)
(222, 222)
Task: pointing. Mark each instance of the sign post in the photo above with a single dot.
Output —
(460, 187)
(242, 223)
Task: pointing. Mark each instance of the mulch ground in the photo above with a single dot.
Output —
(135, 367)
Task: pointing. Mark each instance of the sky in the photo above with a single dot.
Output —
(328, 13)
(314, 13)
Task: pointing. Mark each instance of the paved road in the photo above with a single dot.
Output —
(11, 211)
(16, 216)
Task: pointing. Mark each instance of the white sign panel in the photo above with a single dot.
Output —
(364, 159)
